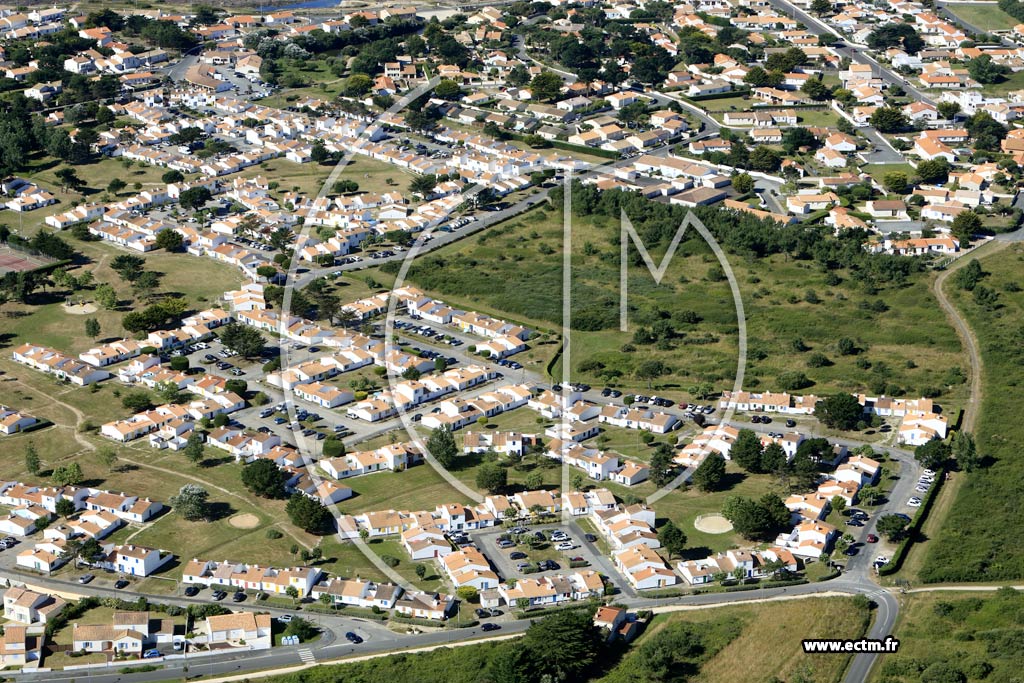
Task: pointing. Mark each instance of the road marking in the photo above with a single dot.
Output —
(307, 656)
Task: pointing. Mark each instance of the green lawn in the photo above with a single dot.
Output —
(878, 171)
(985, 513)
(987, 17)
(908, 346)
(1013, 82)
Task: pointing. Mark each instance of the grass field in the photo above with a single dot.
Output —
(960, 635)
(907, 345)
(764, 643)
(987, 17)
(1013, 82)
(980, 539)
(878, 171)
(372, 175)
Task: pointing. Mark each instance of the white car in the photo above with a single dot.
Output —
(928, 473)
(565, 546)
(914, 502)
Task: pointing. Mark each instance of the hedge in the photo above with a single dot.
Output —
(914, 529)
(546, 611)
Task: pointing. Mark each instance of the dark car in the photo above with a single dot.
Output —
(192, 591)
(86, 578)
(482, 613)
(121, 583)
(590, 538)
(489, 627)
(851, 551)
(353, 637)
(219, 595)
(239, 596)
(756, 419)
(517, 555)
(791, 423)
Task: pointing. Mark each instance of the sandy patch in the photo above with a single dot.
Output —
(244, 521)
(79, 309)
(712, 524)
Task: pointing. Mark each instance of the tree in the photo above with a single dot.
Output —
(194, 447)
(965, 226)
(563, 645)
(933, 454)
(491, 477)
(194, 198)
(892, 526)
(106, 296)
(68, 177)
(968, 276)
(764, 158)
(773, 458)
(264, 479)
(423, 185)
(169, 240)
(820, 7)
(933, 171)
(709, 474)
(65, 507)
(309, 514)
(247, 341)
(661, 465)
(172, 176)
(447, 89)
(649, 370)
(92, 327)
(794, 139)
(534, 480)
(986, 71)
(838, 504)
(67, 475)
(816, 90)
(743, 183)
(839, 411)
(888, 119)
(32, 463)
(948, 110)
(318, 152)
(136, 401)
(107, 457)
(467, 593)
(421, 570)
(357, 85)
(129, 267)
(191, 502)
(441, 445)
(965, 451)
(116, 185)
(293, 593)
(546, 86)
(746, 450)
(896, 182)
(672, 538)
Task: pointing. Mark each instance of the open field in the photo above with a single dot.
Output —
(979, 540)
(309, 178)
(1013, 82)
(878, 171)
(756, 642)
(987, 17)
(906, 344)
(963, 636)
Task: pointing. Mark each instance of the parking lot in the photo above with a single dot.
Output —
(543, 555)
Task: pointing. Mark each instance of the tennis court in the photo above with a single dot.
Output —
(13, 260)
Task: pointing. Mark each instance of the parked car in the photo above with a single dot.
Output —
(151, 654)
(914, 502)
(482, 613)
(791, 423)
(591, 538)
(219, 595)
(86, 578)
(121, 583)
(517, 555)
(239, 596)
(285, 618)
(872, 538)
(191, 591)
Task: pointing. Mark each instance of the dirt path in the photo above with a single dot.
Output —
(964, 330)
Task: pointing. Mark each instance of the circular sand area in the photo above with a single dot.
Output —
(712, 524)
(79, 309)
(244, 521)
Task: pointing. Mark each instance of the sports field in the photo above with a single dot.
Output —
(12, 260)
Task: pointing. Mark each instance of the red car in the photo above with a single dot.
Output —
(872, 538)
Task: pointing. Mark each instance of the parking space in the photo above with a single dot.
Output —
(534, 551)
